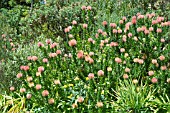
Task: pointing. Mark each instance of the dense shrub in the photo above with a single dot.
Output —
(84, 77)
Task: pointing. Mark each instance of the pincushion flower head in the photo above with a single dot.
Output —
(45, 60)
(80, 99)
(85, 26)
(58, 52)
(40, 69)
(154, 80)
(22, 90)
(100, 73)
(118, 60)
(162, 57)
(12, 88)
(45, 93)
(29, 96)
(150, 73)
(113, 25)
(89, 8)
(104, 23)
(38, 87)
(99, 104)
(74, 22)
(19, 75)
(57, 82)
(80, 54)
(91, 75)
(83, 7)
(72, 42)
(40, 44)
(51, 101)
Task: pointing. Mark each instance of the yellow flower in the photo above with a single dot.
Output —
(102, 92)
(70, 85)
(87, 78)
(70, 96)
(77, 78)
(65, 86)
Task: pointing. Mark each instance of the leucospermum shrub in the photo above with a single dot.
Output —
(81, 76)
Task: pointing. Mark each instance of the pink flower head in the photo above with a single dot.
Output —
(122, 50)
(90, 40)
(125, 76)
(91, 60)
(162, 57)
(104, 33)
(58, 52)
(22, 90)
(45, 60)
(104, 23)
(53, 45)
(163, 68)
(118, 60)
(162, 40)
(83, 7)
(80, 54)
(40, 44)
(113, 44)
(89, 8)
(159, 30)
(80, 99)
(12, 88)
(114, 30)
(48, 41)
(57, 82)
(66, 30)
(29, 58)
(22, 67)
(119, 31)
(140, 16)
(134, 20)
(143, 28)
(3, 35)
(91, 53)
(151, 29)
(85, 26)
(129, 35)
(91, 76)
(34, 58)
(124, 18)
(150, 73)
(51, 101)
(74, 22)
(154, 61)
(124, 38)
(52, 55)
(40, 69)
(154, 80)
(154, 22)
(140, 61)
(113, 25)
(100, 31)
(120, 21)
(146, 32)
(45, 93)
(72, 42)
(99, 104)
(127, 70)
(100, 73)
(139, 29)
(38, 87)
(97, 35)
(29, 96)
